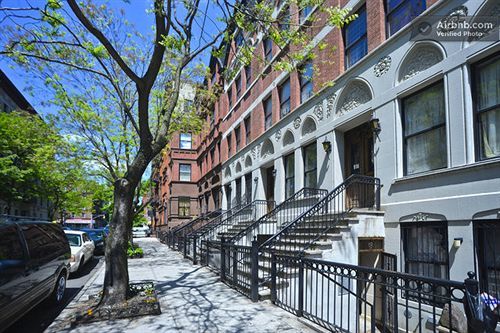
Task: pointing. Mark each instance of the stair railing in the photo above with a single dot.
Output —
(283, 213)
(180, 233)
(357, 191)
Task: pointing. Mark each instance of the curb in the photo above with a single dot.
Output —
(58, 323)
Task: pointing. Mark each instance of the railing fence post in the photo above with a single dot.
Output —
(300, 305)
(377, 189)
(184, 245)
(194, 251)
(222, 259)
(254, 283)
(273, 278)
(235, 266)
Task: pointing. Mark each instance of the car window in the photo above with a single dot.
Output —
(39, 241)
(74, 239)
(85, 237)
(10, 244)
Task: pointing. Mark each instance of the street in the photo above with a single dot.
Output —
(41, 316)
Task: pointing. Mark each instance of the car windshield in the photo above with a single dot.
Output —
(94, 235)
(74, 240)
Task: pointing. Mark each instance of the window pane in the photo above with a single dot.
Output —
(488, 85)
(356, 29)
(284, 93)
(185, 141)
(356, 52)
(10, 245)
(185, 172)
(289, 175)
(424, 110)
(426, 151)
(306, 86)
(310, 166)
(404, 14)
(490, 133)
(268, 112)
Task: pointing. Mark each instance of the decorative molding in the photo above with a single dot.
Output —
(255, 152)
(309, 126)
(420, 217)
(355, 94)
(288, 138)
(330, 101)
(297, 122)
(277, 135)
(382, 66)
(267, 149)
(419, 60)
(456, 15)
(318, 111)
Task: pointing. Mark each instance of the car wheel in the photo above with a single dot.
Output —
(59, 289)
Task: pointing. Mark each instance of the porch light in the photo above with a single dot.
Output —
(256, 179)
(274, 173)
(375, 125)
(457, 242)
(327, 146)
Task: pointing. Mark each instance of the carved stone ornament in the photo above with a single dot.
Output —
(318, 111)
(277, 135)
(354, 95)
(255, 152)
(419, 60)
(382, 66)
(296, 122)
(420, 217)
(456, 15)
(330, 101)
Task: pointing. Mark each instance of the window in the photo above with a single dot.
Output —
(487, 105)
(487, 249)
(304, 13)
(425, 253)
(306, 84)
(10, 245)
(425, 130)
(212, 156)
(185, 141)
(39, 242)
(284, 93)
(310, 166)
(284, 21)
(237, 136)
(402, 12)
(268, 112)
(248, 75)
(289, 175)
(229, 145)
(230, 97)
(268, 49)
(185, 172)
(238, 86)
(184, 206)
(355, 40)
(248, 130)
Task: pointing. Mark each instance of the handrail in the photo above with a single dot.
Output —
(304, 193)
(224, 216)
(336, 200)
(209, 215)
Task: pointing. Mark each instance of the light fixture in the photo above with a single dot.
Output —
(274, 173)
(256, 179)
(457, 242)
(375, 125)
(327, 146)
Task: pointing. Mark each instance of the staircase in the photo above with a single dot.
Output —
(321, 229)
(176, 237)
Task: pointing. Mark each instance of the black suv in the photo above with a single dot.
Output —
(34, 265)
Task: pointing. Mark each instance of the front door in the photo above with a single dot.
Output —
(358, 144)
(238, 192)
(270, 187)
(248, 188)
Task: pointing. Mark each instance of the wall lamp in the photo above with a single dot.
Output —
(274, 173)
(256, 179)
(457, 242)
(327, 146)
(375, 125)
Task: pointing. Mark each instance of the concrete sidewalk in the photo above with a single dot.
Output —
(192, 300)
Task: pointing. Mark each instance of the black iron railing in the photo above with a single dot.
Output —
(178, 235)
(287, 211)
(299, 235)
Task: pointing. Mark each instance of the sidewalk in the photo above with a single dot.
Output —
(192, 300)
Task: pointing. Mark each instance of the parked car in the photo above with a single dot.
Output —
(34, 266)
(82, 249)
(99, 238)
(141, 231)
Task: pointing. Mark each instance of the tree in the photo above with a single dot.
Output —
(120, 92)
(36, 162)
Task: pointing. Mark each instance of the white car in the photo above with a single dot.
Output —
(82, 249)
(140, 231)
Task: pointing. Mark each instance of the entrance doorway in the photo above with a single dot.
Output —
(358, 144)
(269, 186)
(248, 188)
(237, 199)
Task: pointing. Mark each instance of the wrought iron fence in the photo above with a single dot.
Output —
(347, 298)
(287, 211)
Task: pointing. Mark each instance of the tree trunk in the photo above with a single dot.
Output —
(116, 277)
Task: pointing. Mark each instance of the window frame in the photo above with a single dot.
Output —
(267, 46)
(268, 116)
(432, 128)
(190, 140)
(248, 75)
(237, 82)
(476, 68)
(229, 144)
(237, 137)
(185, 208)
(248, 129)
(314, 170)
(181, 172)
(348, 47)
(230, 96)
(285, 101)
(304, 14)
